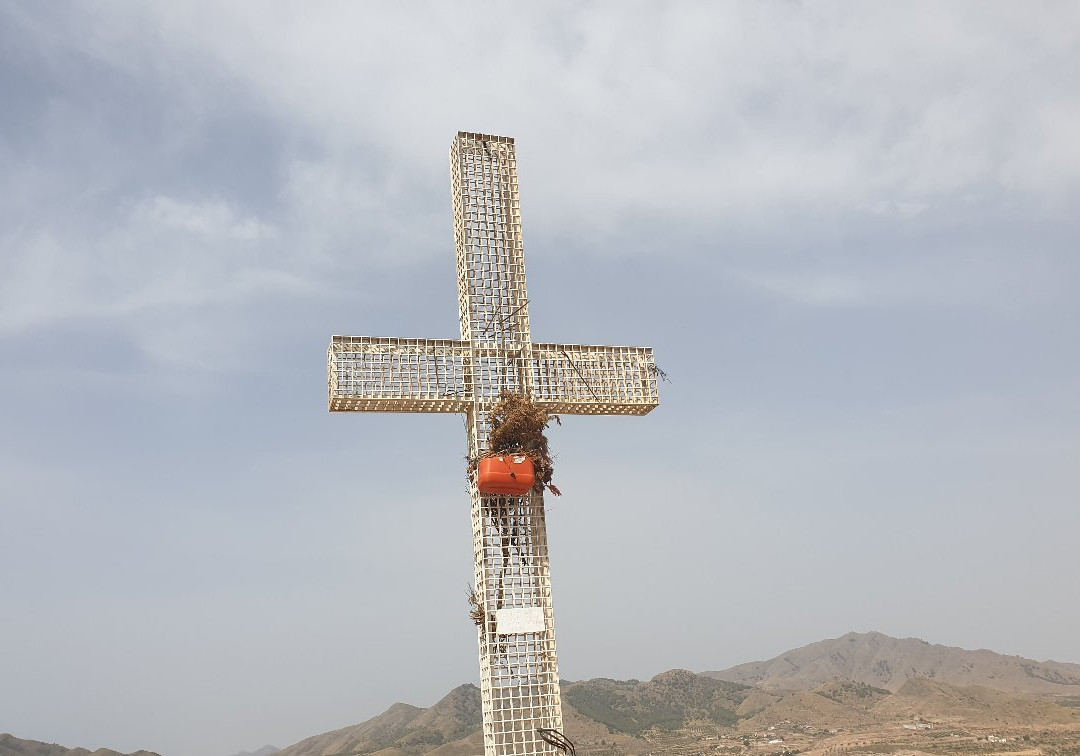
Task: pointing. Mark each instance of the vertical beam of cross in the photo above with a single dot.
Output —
(519, 678)
(519, 671)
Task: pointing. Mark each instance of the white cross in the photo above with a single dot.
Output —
(519, 679)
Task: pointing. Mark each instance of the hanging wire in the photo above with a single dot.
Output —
(556, 739)
(579, 375)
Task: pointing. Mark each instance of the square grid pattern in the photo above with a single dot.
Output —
(373, 374)
(492, 300)
(519, 673)
(595, 380)
(368, 374)
(519, 677)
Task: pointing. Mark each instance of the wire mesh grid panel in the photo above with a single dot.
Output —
(516, 630)
(519, 680)
(492, 298)
(594, 380)
(368, 374)
(519, 666)
(494, 375)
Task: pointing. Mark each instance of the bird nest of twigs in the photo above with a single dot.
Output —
(517, 428)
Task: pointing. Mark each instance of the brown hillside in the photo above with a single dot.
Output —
(812, 708)
(13, 746)
(756, 701)
(371, 736)
(455, 716)
(447, 728)
(851, 693)
(884, 662)
(583, 731)
(932, 699)
(667, 701)
(681, 713)
(468, 746)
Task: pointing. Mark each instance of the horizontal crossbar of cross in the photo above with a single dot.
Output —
(372, 374)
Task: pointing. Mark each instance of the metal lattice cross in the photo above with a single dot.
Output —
(519, 678)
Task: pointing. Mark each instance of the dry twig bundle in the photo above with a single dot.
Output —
(476, 614)
(517, 427)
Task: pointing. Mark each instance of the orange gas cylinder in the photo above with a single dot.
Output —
(510, 475)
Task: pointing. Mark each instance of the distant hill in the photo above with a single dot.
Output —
(834, 695)
(934, 699)
(884, 662)
(860, 683)
(669, 700)
(266, 750)
(13, 746)
(677, 712)
(405, 729)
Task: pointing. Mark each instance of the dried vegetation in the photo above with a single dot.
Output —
(476, 612)
(517, 427)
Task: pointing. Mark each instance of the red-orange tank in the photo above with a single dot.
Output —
(510, 475)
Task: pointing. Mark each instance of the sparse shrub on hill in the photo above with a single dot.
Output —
(668, 702)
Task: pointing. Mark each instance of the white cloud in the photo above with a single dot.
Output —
(774, 121)
(213, 219)
(709, 111)
(175, 279)
(162, 253)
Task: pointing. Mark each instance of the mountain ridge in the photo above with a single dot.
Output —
(678, 710)
(886, 662)
(403, 728)
(266, 750)
(831, 695)
(13, 746)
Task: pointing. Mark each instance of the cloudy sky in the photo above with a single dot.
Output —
(848, 230)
